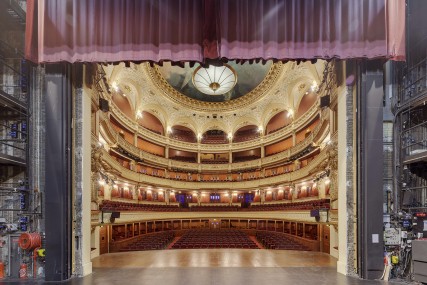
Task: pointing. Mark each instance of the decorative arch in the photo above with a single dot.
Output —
(157, 111)
(298, 90)
(278, 121)
(245, 121)
(183, 133)
(151, 122)
(122, 102)
(307, 101)
(214, 125)
(186, 122)
(130, 88)
(246, 133)
(271, 110)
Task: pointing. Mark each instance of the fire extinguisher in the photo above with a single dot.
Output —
(1, 270)
(23, 271)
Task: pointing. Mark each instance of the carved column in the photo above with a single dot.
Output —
(134, 192)
(108, 188)
(293, 190)
(262, 196)
(167, 196)
(199, 198)
(333, 168)
(132, 165)
(96, 155)
(95, 186)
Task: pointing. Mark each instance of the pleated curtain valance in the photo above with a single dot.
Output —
(196, 30)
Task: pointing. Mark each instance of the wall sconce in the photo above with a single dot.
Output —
(139, 114)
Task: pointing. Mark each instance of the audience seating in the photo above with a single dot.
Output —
(305, 205)
(217, 208)
(245, 158)
(150, 242)
(272, 240)
(123, 206)
(214, 238)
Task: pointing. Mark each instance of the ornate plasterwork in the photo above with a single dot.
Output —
(114, 139)
(148, 91)
(144, 179)
(181, 145)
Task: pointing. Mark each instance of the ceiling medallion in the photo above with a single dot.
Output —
(214, 80)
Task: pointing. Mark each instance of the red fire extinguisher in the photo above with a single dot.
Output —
(23, 271)
(1, 270)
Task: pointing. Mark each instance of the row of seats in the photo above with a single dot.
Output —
(245, 158)
(150, 242)
(123, 206)
(219, 208)
(243, 138)
(272, 240)
(306, 205)
(185, 159)
(214, 238)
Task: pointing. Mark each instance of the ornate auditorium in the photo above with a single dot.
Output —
(213, 141)
(260, 158)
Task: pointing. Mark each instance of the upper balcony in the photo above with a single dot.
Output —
(119, 142)
(257, 141)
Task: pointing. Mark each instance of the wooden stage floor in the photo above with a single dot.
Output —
(214, 258)
(215, 267)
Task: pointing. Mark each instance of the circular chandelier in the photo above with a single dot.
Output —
(214, 80)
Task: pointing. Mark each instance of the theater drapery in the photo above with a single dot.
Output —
(193, 30)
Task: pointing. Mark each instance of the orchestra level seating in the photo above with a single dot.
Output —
(214, 238)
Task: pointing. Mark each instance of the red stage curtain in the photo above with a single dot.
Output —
(192, 30)
(304, 29)
(115, 30)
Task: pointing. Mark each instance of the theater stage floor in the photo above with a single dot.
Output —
(216, 266)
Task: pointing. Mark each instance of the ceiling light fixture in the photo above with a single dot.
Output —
(214, 80)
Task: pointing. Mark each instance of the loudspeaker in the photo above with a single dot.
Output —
(114, 215)
(325, 101)
(103, 105)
